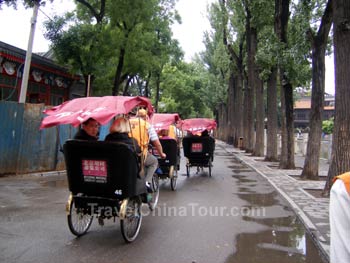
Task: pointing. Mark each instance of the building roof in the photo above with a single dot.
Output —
(18, 55)
(302, 104)
(305, 103)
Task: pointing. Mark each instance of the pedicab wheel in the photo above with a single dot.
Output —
(155, 194)
(131, 223)
(173, 180)
(78, 221)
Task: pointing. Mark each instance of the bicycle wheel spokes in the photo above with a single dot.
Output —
(130, 225)
(78, 221)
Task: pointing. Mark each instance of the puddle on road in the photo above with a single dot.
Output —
(59, 182)
(254, 199)
(291, 246)
(286, 239)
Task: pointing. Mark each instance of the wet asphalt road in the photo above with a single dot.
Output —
(233, 216)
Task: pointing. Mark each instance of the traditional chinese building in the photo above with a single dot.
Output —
(302, 108)
(48, 83)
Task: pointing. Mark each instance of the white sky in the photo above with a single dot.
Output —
(15, 27)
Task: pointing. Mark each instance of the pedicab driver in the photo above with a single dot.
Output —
(144, 133)
(339, 217)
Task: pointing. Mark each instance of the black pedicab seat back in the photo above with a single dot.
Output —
(197, 148)
(170, 148)
(103, 169)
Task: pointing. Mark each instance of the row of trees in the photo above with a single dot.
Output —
(256, 54)
(267, 46)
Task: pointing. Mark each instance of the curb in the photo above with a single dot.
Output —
(49, 173)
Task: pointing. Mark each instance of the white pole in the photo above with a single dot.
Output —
(24, 85)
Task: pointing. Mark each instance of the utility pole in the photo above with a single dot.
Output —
(24, 85)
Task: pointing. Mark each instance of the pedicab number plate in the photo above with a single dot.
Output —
(94, 171)
(196, 147)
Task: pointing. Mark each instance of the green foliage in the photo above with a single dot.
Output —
(79, 46)
(125, 37)
(183, 91)
(328, 126)
(26, 3)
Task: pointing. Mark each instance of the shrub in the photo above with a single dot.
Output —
(328, 125)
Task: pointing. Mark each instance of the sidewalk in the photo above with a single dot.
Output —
(310, 208)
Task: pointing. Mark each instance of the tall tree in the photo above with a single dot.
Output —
(267, 59)
(236, 75)
(286, 92)
(318, 47)
(126, 39)
(340, 159)
(251, 38)
(183, 87)
(75, 47)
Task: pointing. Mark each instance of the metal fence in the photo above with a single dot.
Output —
(24, 148)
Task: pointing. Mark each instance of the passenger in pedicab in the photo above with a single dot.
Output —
(144, 133)
(119, 132)
(89, 130)
(167, 134)
(205, 134)
(164, 135)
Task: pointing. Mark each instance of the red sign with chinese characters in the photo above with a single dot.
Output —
(94, 168)
(196, 147)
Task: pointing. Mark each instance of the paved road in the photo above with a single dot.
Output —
(233, 216)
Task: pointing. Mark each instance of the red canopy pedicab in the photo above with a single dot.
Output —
(103, 177)
(165, 125)
(198, 145)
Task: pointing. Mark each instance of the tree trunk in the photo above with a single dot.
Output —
(230, 109)
(340, 160)
(271, 144)
(319, 43)
(250, 136)
(127, 84)
(288, 95)
(287, 119)
(259, 96)
(287, 152)
(118, 73)
(86, 82)
(157, 91)
(238, 108)
(283, 157)
(234, 103)
(146, 91)
(259, 113)
(246, 113)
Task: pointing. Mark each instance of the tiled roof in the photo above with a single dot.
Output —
(302, 104)
(306, 104)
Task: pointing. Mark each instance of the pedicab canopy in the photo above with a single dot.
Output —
(164, 120)
(197, 125)
(102, 109)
